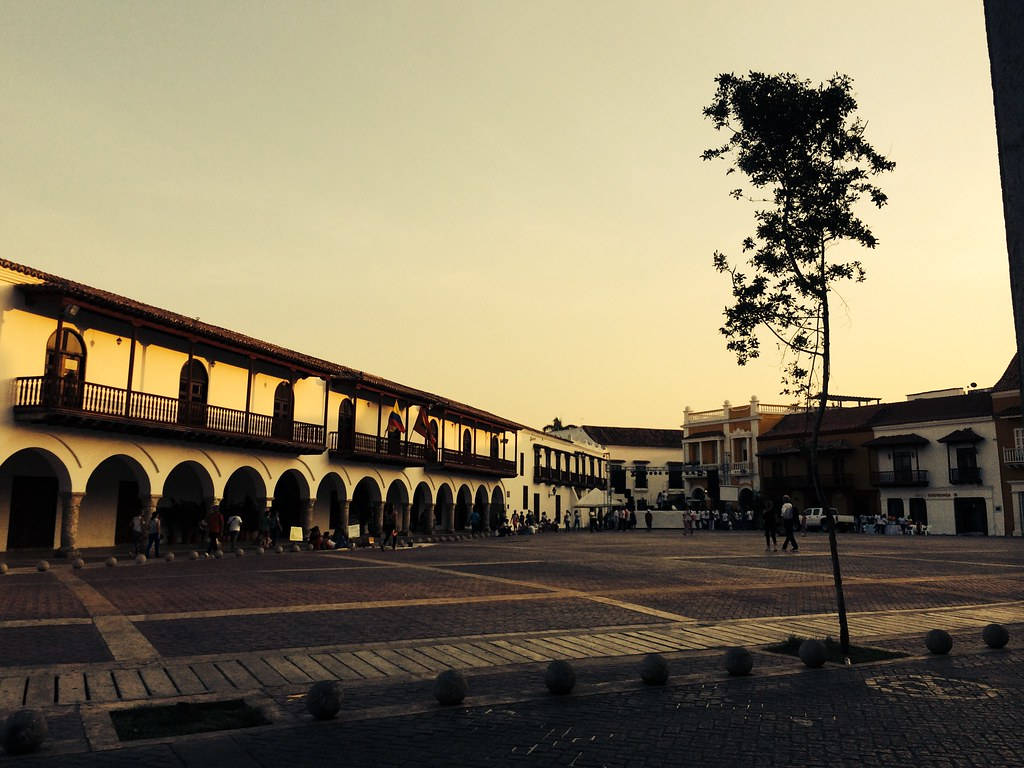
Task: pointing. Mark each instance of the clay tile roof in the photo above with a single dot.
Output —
(966, 435)
(635, 436)
(835, 420)
(1010, 379)
(972, 405)
(910, 439)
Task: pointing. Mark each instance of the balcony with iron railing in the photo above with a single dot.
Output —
(965, 475)
(555, 476)
(446, 458)
(49, 400)
(1013, 456)
(900, 477)
(392, 449)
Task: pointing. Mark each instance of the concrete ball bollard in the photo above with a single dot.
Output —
(111, 561)
(260, 550)
(296, 548)
(560, 677)
(193, 555)
(939, 642)
(3, 568)
(218, 553)
(78, 563)
(279, 549)
(169, 557)
(24, 732)
(140, 559)
(239, 552)
(450, 687)
(995, 636)
(654, 669)
(738, 661)
(43, 565)
(324, 699)
(812, 653)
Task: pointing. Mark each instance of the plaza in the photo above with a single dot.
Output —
(81, 643)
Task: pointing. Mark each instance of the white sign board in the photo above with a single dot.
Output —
(353, 531)
(295, 533)
(729, 493)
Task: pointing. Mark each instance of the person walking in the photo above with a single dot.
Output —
(154, 534)
(234, 529)
(390, 532)
(770, 542)
(138, 533)
(789, 521)
(214, 528)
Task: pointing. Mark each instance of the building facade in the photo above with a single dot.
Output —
(556, 473)
(1010, 438)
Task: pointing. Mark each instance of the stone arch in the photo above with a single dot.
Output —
(33, 481)
(366, 506)
(421, 517)
(443, 507)
(746, 499)
(463, 507)
(497, 507)
(117, 489)
(396, 504)
(481, 507)
(245, 493)
(187, 494)
(330, 498)
(291, 498)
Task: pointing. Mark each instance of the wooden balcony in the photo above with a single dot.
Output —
(900, 477)
(46, 400)
(360, 446)
(965, 475)
(457, 461)
(561, 477)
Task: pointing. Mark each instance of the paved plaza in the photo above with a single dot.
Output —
(78, 644)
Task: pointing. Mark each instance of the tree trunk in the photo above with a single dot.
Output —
(837, 576)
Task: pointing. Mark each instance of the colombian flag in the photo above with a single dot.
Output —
(395, 423)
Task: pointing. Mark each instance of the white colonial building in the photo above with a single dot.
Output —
(556, 474)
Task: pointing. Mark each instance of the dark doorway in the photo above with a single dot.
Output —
(65, 369)
(128, 504)
(971, 516)
(536, 505)
(346, 426)
(558, 510)
(284, 411)
(288, 501)
(33, 513)
(467, 442)
(919, 511)
(193, 386)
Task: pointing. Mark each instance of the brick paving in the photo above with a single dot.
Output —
(384, 622)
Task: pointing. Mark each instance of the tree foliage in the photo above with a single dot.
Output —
(804, 152)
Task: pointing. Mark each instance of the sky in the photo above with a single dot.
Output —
(499, 202)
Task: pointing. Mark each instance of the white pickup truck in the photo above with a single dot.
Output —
(815, 518)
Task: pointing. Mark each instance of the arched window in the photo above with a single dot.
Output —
(284, 411)
(467, 442)
(494, 446)
(193, 386)
(346, 425)
(65, 368)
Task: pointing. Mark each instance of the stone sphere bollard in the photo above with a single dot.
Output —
(296, 547)
(43, 565)
(169, 557)
(812, 653)
(3, 568)
(111, 561)
(279, 549)
(260, 550)
(324, 699)
(450, 687)
(140, 559)
(654, 669)
(560, 677)
(193, 555)
(995, 636)
(939, 642)
(738, 661)
(78, 563)
(218, 553)
(24, 732)
(239, 552)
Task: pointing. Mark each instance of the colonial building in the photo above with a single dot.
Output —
(643, 464)
(556, 473)
(118, 406)
(1010, 439)
(720, 448)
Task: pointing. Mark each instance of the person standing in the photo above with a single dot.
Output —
(154, 534)
(214, 528)
(788, 513)
(649, 519)
(234, 529)
(576, 520)
(138, 533)
(770, 542)
(389, 532)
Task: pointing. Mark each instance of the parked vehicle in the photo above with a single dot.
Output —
(815, 518)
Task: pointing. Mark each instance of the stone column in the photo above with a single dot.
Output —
(428, 518)
(307, 516)
(403, 519)
(376, 518)
(149, 506)
(70, 506)
(343, 517)
(488, 509)
(448, 518)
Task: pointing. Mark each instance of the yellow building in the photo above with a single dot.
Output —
(117, 406)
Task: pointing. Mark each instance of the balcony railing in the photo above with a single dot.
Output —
(561, 477)
(1013, 456)
(965, 475)
(471, 462)
(795, 482)
(44, 398)
(898, 477)
(360, 446)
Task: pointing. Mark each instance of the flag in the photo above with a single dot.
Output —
(395, 423)
(422, 427)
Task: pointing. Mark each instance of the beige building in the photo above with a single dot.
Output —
(557, 473)
(118, 406)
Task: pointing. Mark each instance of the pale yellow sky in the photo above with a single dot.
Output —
(501, 202)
